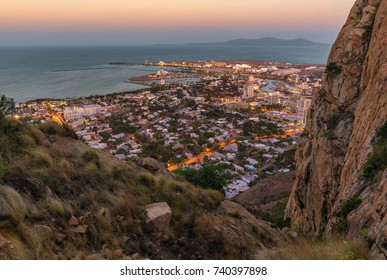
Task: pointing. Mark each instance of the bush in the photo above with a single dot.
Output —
(348, 206)
(209, 176)
(6, 106)
(314, 249)
(377, 161)
(52, 128)
(332, 69)
(91, 156)
(12, 205)
(351, 204)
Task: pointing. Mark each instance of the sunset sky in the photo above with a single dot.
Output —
(129, 22)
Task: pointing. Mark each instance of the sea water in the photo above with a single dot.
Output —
(28, 73)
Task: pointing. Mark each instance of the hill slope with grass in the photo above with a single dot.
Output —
(59, 199)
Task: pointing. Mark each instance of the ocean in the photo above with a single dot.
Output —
(28, 73)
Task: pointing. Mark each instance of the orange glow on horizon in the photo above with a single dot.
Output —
(172, 13)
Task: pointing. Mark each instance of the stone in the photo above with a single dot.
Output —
(102, 212)
(94, 257)
(159, 215)
(59, 237)
(107, 253)
(153, 166)
(80, 229)
(3, 241)
(44, 232)
(82, 220)
(118, 254)
(135, 256)
(73, 221)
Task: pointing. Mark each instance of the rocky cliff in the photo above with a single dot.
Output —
(336, 190)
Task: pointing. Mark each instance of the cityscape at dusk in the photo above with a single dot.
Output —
(205, 130)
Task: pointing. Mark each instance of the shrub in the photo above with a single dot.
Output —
(378, 159)
(12, 205)
(209, 176)
(6, 106)
(52, 128)
(348, 206)
(57, 208)
(315, 249)
(332, 69)
(351, 204)
(41, 157)
(91, 156)
(333, 121)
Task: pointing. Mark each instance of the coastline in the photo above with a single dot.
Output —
(147, 81)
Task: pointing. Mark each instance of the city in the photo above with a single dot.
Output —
(244, 115)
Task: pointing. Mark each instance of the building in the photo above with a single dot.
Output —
(248, 92)
(303, 106)
(71, 115)
(90, 110)
(274, 98)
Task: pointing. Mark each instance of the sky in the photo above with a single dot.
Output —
(140, 22)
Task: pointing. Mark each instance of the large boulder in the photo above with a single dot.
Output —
(153, 166)
(158, 215)
(44, 232)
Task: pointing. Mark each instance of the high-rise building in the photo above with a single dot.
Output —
(274, 98)
(303, 106)
(248, 92)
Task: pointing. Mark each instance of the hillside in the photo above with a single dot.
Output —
(61, 200)
(341, 176)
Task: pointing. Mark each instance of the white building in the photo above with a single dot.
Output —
(248, 92)
(71, 115)
(274, 98)
(303, 106)
(90, 110)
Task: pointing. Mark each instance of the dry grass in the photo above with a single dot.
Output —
(59, 177)
(41, 157)
(58, 208)
(12, 205)
(310, 249)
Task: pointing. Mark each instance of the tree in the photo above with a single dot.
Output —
(209, 176)
(7, 105)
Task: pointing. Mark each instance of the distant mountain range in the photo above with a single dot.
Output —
(267, 41)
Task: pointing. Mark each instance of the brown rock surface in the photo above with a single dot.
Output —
(3, 241)
(153, 166)
(342, 123)
(80, 229)
(44, 232)
(159, 215)
(73, 221)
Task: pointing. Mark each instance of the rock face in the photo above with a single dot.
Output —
(340, 135)
(159, 215)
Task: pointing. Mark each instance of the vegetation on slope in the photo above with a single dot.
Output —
(318, 249)
(377, 162)
(47, 178)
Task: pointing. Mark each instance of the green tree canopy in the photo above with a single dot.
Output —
(209, 176)
(7, 105)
